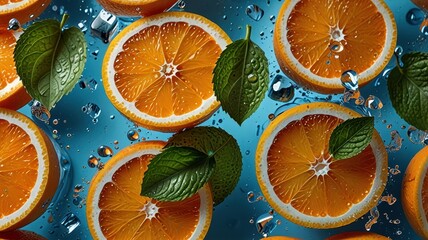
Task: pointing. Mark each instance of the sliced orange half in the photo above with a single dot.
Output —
(158, 70)
(301, 180)
(29, 172)
(115, 209)
(12, 93)
(315, 41)
(358, 236)
(136, 7)
(415, 193)
(22, 10)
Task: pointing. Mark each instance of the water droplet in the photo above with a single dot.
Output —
(398, 51)
(395, 170)
(416, 136)
(389, 199)
(349, 80)
(399, 232)
(374, 216)
(92, 110)
(181, 4)
(336, 47)
(13, 24)
(373, 102)
(395, 221)
(252, 77)
(70, 222)
(281, 89)
(424, 27)
(55, 122)
(104, 151)
(415, 16)
(77, 200)
(112, 117)
(132, 135)
(78, 188)
(93, 161)
(82, 26)
(224, 17)
(254, 12)
(396, 142)
(92, 84)
(40, 112)
(265, 225)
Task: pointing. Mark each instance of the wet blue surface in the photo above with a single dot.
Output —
(81, 137)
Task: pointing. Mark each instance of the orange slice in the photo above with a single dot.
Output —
(415, 193)
(12, 93)
(115, 209)
(158, 70)
(315, 41)
(29, 172)
(301, 180)
(22, 10)
(20, 235)
(358, 236)
(136, 7)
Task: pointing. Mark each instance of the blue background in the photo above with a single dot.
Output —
(80, 137)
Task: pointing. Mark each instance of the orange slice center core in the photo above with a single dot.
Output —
(331, 37)
(18, 168)
(304, 175)
(167, 70)
(127, 215)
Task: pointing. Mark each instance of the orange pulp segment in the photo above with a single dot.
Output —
(158, 71)
(28, 170)
(118, 211)
(12, 93)
(22, 10)
(316, 41)
(303, 182)
(136, 7)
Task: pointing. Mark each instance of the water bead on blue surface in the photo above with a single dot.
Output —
(349, 80)
(93, 161)
(415, 16)
(373, 102)
(104, 151)
(40, 112)
(181, 4)
(281, 89)
(132, 135)
(92, 110)
(416, 136)
(254, 12)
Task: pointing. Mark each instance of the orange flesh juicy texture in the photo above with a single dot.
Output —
(7, 65)
(297, 153)
(167, 70)
(317, 25)
(121, 207)
(18, 168)
(4, 2)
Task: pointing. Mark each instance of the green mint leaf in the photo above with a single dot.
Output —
(351, 137)
(176, 174)
(408, 89)
(50, 61)
(241, 78)
(225, 150)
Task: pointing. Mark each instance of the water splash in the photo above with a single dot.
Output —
(395, 143)
(417, 136)
(374, 216)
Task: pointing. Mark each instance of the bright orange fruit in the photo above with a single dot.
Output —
(22, 10)
(301, 180)
(29, 172)
(414, 193)
(158, 70)
(315, 41)
(115, 209)
(12, 93)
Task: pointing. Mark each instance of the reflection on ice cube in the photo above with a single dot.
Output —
(70, 222)
(104, 26)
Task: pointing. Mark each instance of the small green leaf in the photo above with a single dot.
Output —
(241, 78)
(351, 137)
(408, 89)
(50, 61)
(177, 173)
(225, 150)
